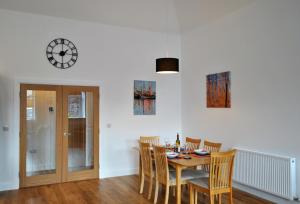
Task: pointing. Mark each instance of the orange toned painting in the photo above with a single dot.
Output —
(218, 90)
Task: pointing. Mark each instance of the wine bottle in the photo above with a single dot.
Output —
(178, 143)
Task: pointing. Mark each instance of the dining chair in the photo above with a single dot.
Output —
(147, 170)
(192, 143)
(153, 140)
(212, 146)
(166, 177)
(219, 180)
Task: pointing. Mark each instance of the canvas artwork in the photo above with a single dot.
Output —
(144, 97)
(218, 90)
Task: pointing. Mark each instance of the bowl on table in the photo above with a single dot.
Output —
(201, 151)
(172, 155)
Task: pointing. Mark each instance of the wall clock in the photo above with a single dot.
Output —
(62, 53)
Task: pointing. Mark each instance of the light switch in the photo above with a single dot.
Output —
(108, 125)
(5, 128)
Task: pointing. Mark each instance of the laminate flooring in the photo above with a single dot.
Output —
(117, 190)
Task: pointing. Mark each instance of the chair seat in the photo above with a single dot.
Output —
(202, 182)
(188, 174)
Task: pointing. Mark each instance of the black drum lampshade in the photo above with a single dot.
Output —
(167, 65)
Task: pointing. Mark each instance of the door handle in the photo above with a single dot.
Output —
(66, 134)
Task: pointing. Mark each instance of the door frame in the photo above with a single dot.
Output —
(62, 176)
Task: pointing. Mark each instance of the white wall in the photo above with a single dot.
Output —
(260, 45)
(111, 57)
(9, 155)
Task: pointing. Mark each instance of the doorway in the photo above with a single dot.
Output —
(59, 134)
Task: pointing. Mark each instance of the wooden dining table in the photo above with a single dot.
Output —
(180, 164)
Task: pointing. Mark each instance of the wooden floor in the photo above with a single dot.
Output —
(117, 190)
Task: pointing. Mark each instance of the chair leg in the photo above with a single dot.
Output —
(192, 196)
(196, 196)
(156, 191)
(203, 196)
(167, 194)
(150, 188)
(220, 198)
(142, 183)
(230, 197)
(174, 191)
(140, 170)
(212, 199)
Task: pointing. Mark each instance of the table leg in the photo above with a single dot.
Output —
(178, 184)
(140, 169)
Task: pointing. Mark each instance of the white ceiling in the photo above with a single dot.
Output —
(154, 15)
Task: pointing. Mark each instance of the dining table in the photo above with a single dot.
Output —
(180, 163)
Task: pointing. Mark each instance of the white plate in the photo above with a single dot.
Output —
(172, 155)
(201, 151)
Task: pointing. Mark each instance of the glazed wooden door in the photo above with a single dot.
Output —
(40, 134)
(59, 134)
(80, 130)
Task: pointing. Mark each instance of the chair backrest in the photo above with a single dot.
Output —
(211, 146)
(146, 158)
(221, 170)
(161, 164)
(192, 143)
(153, 140)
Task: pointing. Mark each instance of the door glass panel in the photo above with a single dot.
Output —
(41, 132)
(80, 135)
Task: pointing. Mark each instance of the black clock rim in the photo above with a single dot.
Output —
(61, 68)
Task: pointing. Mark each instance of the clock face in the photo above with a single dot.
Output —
(62, 53)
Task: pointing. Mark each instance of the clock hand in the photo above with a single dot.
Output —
(67, 53)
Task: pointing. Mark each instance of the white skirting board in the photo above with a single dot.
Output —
(106, 173)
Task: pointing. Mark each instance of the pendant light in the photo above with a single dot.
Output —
(167, 65)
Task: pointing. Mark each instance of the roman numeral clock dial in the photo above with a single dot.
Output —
(62, 53)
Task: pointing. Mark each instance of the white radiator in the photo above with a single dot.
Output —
(270, 173)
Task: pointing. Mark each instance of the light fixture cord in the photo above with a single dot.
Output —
(167, 23)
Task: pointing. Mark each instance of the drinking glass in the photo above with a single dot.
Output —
(167, 143)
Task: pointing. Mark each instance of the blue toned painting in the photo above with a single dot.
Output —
(144, 97)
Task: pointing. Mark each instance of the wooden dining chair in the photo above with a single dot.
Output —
(192, 143)
(212, 146)
(219, 180)
(166, 177)
(153, 140)
(147, 170)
